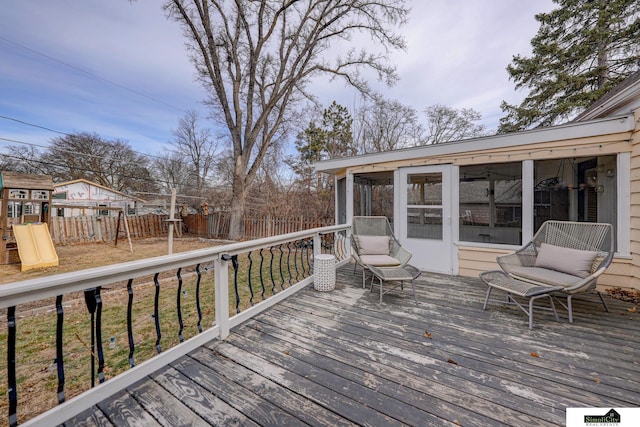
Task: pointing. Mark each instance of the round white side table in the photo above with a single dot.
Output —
(324, 272)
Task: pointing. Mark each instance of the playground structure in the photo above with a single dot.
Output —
(25, 199)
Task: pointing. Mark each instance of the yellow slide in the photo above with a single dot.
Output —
(35, 246)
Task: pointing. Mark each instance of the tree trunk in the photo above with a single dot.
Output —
(236, 226)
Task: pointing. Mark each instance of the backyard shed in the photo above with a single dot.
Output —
(83, 197)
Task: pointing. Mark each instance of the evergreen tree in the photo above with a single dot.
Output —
(332, 139)
(582, 49)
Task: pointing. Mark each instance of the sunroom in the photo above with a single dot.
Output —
(458, 205)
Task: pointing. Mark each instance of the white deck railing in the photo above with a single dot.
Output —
(333, 239)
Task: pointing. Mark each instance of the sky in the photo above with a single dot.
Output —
(120, 69)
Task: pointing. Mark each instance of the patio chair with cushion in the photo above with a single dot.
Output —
(570, 255)
(374, 244)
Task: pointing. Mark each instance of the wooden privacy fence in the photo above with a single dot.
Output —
(87, 229)
(216, 225)
(100, 228)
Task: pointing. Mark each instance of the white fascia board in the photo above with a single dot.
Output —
(573, 130)
(623, 102)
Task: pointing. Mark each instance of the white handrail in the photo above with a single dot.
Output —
(31, 290)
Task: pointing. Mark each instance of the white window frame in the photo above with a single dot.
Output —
(623, 177)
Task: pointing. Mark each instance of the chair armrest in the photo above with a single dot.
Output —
(355, 253)
(402, 255)
(585, 284)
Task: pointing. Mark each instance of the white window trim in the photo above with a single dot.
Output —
(623, 176)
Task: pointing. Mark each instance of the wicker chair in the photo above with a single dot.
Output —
(374, 244)
(563, 253)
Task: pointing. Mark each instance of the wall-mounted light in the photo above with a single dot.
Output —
(610, 173)
(600, 189)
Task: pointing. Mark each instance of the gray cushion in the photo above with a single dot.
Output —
(545, 276)
(379, 260)
(372, 245)
(565, 260)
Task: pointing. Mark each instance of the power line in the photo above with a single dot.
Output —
(59, 132)
(75, 67)
(31, 124)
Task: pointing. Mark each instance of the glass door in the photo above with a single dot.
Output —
(425, 229)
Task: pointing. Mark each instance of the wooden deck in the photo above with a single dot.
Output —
(340, 358)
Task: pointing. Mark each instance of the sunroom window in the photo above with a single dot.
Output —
(575, 189)
(491, 203)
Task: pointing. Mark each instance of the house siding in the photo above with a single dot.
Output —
(634, 267)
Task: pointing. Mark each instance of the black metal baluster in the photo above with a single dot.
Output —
(289, 262)
(261, 277)
(156, 312)
(308, 252)
(249, 278)
(234, 263)
(198, 298)
(303, 253)
(295, 258)
(325, 243)
(59, 343)
(12, 391)
(280, 266)
(273, 282)
(99, 335)
(179, 305)
(132, 347)
(90, 301)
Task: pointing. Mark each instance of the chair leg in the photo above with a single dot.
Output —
(553, 307)
(413, 288)
(603, 302)
(569, 308)
(486, 300)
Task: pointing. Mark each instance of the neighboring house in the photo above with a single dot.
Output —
(458, 205)
(82, 197)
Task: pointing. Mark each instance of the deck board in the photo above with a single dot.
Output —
(341, 358)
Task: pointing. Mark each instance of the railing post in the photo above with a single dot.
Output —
(222, 294)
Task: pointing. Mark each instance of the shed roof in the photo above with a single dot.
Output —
(25, 181)
(95, 184)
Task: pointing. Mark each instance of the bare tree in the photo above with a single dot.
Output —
(196, 147)
(256, 58)
(171, 171)
(385, 125)
(23, 159)
(446, 124)
(112, 164)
